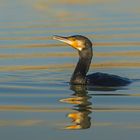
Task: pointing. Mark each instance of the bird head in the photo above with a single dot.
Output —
(77, 41)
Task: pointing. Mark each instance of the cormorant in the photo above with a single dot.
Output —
(79, 77)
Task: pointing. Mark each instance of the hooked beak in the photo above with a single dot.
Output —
(62, 39)
(69, 41)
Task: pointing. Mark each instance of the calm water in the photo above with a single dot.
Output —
(36, 101)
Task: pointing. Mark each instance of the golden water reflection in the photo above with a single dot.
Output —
(82, 108)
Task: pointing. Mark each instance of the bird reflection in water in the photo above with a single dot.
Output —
(82, 106)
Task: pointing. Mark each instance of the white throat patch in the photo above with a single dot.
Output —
(80, 44)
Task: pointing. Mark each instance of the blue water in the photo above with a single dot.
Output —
(36, 100)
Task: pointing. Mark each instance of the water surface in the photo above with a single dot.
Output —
(36, 101)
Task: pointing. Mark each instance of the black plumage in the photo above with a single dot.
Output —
(79, 77)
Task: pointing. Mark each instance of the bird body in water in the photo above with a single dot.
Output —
(79, 77)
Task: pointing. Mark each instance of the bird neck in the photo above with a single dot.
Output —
(82, 67)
